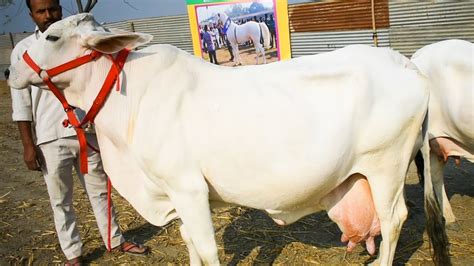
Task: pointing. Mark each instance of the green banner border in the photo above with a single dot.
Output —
(197, 2)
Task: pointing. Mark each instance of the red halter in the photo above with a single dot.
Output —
(112, 77)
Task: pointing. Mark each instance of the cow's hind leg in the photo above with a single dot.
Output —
(437, 176)
(260, 51)
(237, 60)
(191, 200)
(391, 210)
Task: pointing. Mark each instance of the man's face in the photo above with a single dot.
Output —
(45, 12)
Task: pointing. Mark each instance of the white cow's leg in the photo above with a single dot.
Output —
(192, 206)
(392, 212)
(237, 59)
(262, 50)
(437, 176)
(194, 258)
(257, 53)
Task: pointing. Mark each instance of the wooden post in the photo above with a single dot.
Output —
(12, 42)
(374, 28)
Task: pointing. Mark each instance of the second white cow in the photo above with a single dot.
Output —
(291, 138)
(449, 67)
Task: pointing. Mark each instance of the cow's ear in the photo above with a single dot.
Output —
(109, 43)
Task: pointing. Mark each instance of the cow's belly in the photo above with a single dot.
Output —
(276, 177)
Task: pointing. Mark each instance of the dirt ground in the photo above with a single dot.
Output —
(247, 55)
(244, 236)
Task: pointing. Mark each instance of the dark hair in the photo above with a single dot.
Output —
(28, 3)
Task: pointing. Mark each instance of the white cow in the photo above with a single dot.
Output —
(449, 66)
(311, 131)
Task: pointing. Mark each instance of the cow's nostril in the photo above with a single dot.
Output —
(6, 73)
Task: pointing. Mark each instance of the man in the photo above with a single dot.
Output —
(209, 46)
(54, 150)
(271, 26)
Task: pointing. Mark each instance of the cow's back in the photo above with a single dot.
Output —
(449, 66)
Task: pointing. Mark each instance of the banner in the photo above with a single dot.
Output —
(217, 25)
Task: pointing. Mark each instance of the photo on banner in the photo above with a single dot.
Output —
(235, 32)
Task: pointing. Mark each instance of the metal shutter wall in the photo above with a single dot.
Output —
(17, 37)
(416, 24)
(172, 30)
(326, 26)
(121, 25)
(308, 43)
(337, 15)
(6, 49)
(5, 41)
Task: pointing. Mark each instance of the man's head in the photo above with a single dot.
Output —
(44, 12)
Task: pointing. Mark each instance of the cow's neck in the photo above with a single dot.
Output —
(86, 83)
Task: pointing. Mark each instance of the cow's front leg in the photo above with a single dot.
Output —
(190, 196)
(237, 60)
(194, 258)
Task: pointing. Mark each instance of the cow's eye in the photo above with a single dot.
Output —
(52, 38)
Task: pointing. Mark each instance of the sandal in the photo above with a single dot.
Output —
(77, 261)
(133, 248)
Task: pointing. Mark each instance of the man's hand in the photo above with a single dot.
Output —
(30, 154)
(31, 157)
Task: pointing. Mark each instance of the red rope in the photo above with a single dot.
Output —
(109, 214)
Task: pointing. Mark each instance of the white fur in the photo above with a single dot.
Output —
(277, 137)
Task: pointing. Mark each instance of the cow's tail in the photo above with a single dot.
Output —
(420, 167)
(435, 223)
(264, 35)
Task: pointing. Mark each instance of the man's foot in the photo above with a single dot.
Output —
(74, 262)
(132, 249)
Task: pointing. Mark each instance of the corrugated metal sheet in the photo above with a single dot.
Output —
(416, 24)
(17, 37)
(4, 60)
(337, 15)
(307, 43)
(5, 41)
(122, 25)
(5, 56)
(6, 48)
(172, 30)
